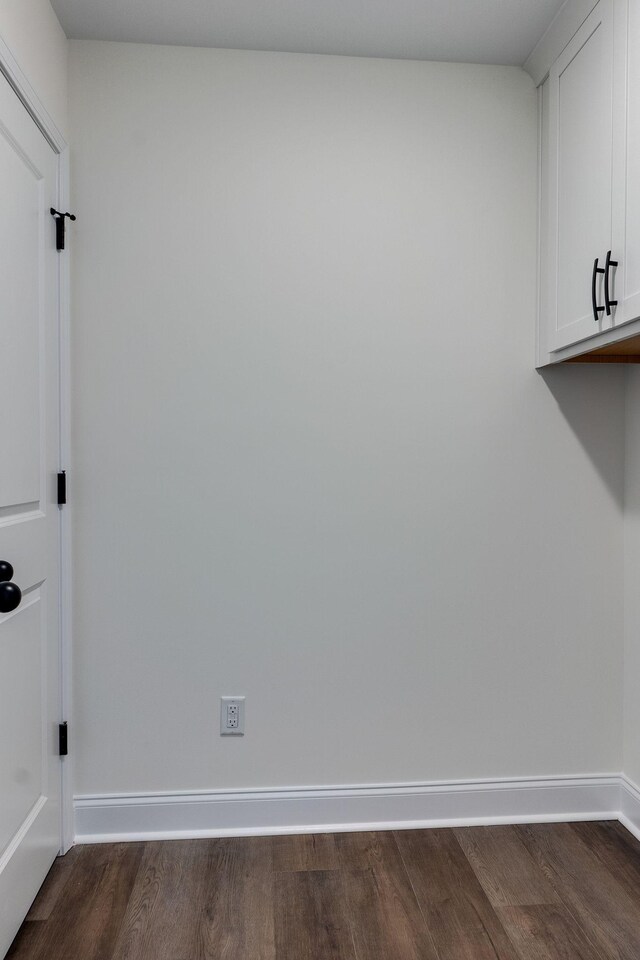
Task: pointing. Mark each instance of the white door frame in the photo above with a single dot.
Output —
(11, 70)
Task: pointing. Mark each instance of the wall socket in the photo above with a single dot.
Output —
(231, 716)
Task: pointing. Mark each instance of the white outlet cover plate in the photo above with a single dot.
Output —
(225, 730)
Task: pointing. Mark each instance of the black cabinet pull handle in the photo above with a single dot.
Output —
(10, 593)
(594, 280)
(607, 268)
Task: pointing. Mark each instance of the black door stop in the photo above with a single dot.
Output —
(59, 218)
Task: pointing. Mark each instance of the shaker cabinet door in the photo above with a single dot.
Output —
(626, 217)
(580, 181)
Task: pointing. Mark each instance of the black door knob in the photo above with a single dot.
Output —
(6, 571)
(10, 596)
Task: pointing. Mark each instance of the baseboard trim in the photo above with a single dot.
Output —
(630, 806)
(165, 816)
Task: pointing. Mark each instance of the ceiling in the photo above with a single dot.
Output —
(474, 31)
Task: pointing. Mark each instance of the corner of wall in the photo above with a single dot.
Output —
(631, 696)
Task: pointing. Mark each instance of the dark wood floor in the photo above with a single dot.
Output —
(545, 892)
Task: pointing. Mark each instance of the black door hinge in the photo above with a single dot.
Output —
(62, 488)
(63, 739)
(60, 218)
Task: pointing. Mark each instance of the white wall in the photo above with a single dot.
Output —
(632, 579)
(32, 32)
(314, 462)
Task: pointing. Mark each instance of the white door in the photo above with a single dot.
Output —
(581, 124)
(30, 814)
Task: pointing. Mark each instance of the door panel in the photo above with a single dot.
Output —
(29, 518)
(21, 202)
(580, 176)
(22, 657)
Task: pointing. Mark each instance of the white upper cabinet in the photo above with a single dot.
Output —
(580, 180)
(627, 214)
(590, 179)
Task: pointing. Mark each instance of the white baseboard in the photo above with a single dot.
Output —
(165, 816)
(630, 806)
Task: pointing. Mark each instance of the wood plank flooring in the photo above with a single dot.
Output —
(544, 892)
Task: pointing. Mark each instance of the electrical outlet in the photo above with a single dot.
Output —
(231, 716)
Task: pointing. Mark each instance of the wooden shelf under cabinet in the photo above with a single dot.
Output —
(626, 351)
